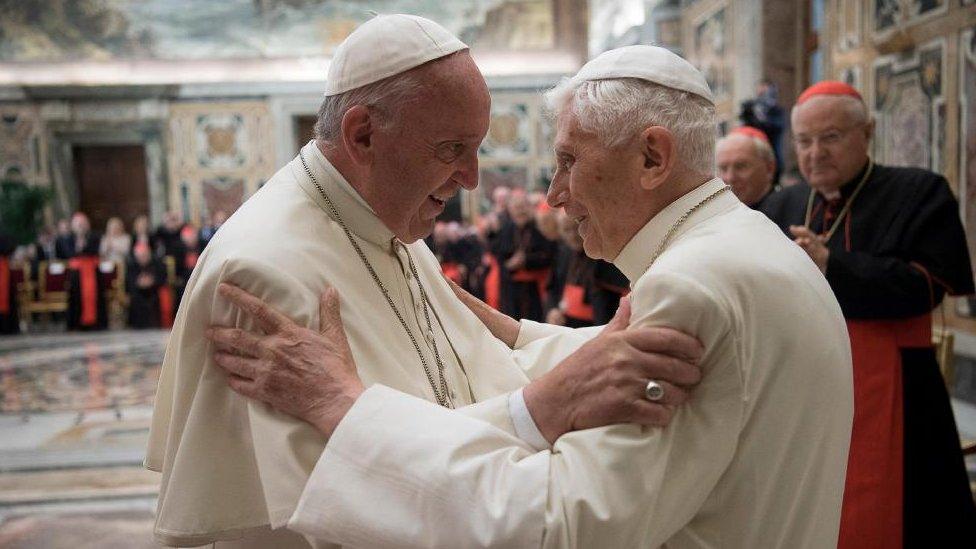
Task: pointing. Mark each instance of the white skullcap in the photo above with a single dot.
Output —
(387, 45)
(651, 63)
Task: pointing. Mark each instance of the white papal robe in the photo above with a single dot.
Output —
(232, 467)
(756, 458)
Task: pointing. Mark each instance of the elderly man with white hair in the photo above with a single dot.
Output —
(397, 136)
(746, 162)
(891, 244)
(756, 458)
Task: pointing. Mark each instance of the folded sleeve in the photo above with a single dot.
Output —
(402, 472)
(540, 347)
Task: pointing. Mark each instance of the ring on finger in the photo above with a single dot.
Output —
(654, 391)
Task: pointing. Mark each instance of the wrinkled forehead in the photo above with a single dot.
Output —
(570, 134)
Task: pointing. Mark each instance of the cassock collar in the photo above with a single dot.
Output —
(635, 257)
(848, 188)
(355, 211)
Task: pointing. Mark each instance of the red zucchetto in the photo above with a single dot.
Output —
(828, 87)
(749, 131)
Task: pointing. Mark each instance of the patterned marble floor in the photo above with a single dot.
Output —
(74, 421)
(79, 372)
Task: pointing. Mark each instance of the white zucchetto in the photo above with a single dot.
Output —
(651, 63)
(387, 45)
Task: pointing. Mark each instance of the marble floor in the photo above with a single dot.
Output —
(74, 421)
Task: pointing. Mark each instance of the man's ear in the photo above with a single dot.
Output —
(658, 148)
(869, 129)
(357, 134)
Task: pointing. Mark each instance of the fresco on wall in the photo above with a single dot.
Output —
(220, 153)
(967, 147)
(908, 100)
(220, 140)
(890, 14)
(711, 46)
(509, 132)
(849, 24)
(55, 30)
(18, 142)
(224, 194)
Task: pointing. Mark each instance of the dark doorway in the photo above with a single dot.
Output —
(304, 130)
(111, 183)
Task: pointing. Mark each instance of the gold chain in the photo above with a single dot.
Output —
(682, 219)
(441, 392)
(846, 209)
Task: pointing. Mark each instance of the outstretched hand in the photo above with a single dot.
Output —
(298, 371)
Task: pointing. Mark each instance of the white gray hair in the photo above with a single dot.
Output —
(385, 99)
(616, 110)
(856, 110)
(763, 149)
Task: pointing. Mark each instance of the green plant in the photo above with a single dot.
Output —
(21, 207)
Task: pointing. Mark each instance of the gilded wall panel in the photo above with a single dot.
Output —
(909, 105)
(509, 131)
(219, 153)
(890, 15)
(19, 143)
(967, 145)
(712, 49)
(849, 23)
(517, 152)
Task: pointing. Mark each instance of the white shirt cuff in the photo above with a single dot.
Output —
(525, 427)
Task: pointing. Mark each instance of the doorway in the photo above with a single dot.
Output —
(112, 182)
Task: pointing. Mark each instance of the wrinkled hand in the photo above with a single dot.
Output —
(603, 382)
(813, 244)
(307, 374)
(498, 323)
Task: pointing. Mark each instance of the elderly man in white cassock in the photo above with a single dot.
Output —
(756, 457)
(397, 136)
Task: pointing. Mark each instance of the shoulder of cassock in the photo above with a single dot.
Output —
(217, 481)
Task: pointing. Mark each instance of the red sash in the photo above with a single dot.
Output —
(539, 276)
(191, 260)
(872, 512)
(574, 304)
(4, 286)
(165, 306)
(87, 267)
(493, 283)
(452, 271)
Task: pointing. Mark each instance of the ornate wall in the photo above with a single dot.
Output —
(517, 152)
(707, 40)
(20, 143)
(913, 61)
(967, 142)
(219, 154)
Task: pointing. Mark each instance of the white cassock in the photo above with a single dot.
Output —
(756, 458)
(230, 466)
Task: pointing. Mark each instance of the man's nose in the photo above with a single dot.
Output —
(468, 172)
(557, 195)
